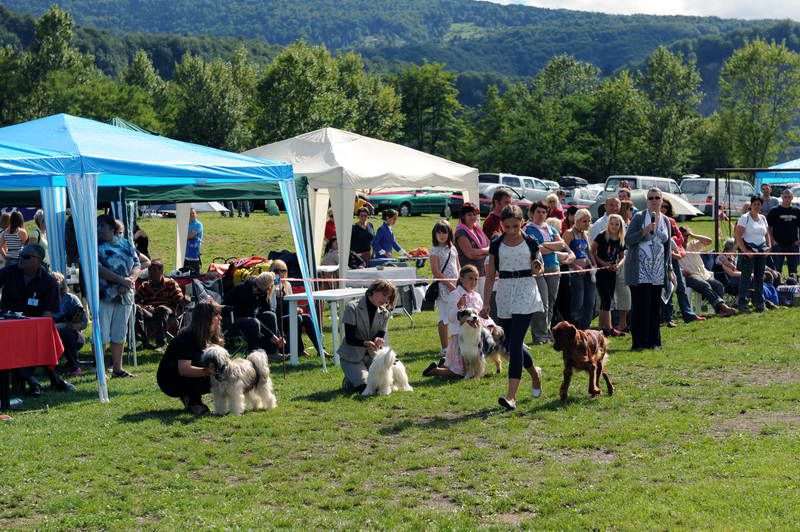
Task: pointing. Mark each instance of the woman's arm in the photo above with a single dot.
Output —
(768, 236)
(738, 234)
(593, 255)
(23, 235)
(491, 271)
(186, 369)
(471, 253)
(635, 231)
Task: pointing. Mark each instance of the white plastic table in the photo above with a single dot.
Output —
(331, 296)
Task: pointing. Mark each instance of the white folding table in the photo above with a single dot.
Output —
(331, 296)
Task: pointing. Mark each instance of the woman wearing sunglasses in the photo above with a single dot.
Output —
(647, 264)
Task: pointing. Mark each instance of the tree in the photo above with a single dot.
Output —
(759, 99)
(431, 107)
(672, 87)
(564, 76)
(713, 144)
(208, 104)
(300, 92)
(619, 114)
(140, 73)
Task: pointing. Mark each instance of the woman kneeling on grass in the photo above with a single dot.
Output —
(180, 373)
(365, 323)
(515, 257)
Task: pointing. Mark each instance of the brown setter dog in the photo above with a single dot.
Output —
(583, 351)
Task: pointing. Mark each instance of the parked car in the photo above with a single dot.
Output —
(529, 187)
(552, 186)
(411, 202)
(778, 188)
(571, 181)
(643, 182)
(581, 196)
(734, 193)
(682, 209)
(487, 190)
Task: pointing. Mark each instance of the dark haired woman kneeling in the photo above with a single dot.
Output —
(180, 373)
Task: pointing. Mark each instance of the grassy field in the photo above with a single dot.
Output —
(703, 434)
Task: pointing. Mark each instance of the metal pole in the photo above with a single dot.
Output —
(716, 211)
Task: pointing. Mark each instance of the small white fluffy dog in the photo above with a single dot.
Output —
(239, 380)
(386, 374)
(477, 343)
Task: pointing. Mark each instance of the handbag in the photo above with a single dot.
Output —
(432, 292)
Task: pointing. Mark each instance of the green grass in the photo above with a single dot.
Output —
(703, 434)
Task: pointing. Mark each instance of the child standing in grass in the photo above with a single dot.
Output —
(444, 265)
(464, 296)
(608, 252)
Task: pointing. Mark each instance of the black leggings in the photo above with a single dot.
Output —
(515, 328)
(606, 282)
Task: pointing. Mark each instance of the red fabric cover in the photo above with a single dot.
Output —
(29, 342)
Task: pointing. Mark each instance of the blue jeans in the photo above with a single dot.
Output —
(582, 292)
(752, 269)
(683, 299)
(791, 260)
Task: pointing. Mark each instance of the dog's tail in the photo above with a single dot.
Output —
(258, 359)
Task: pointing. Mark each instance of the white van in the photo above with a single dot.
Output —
(734, 193)
(640, 182)
(529, 187)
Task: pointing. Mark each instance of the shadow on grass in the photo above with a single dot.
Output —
(167, 416)
(440, 422)
(325, 396)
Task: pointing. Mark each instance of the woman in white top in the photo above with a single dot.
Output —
(752, 238)
(515, 257)
(444, 265)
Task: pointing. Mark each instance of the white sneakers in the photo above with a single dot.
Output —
(537, 392)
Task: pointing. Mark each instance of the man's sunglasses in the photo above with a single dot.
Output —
(653, 198)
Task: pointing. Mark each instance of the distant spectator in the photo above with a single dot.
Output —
(330, 226)
(569, 219)
(5, 221)
(157, 300)
(626, 211)
(444, 265)
(280, 306)
(769, 201)
(698, 278)
(582, 286)
(554, 209)
(500, 200)
(141, 241)
(784, 230)
(194, 239)
(39, 235)
(330, 256)
(677, 252)
(752, 236)
(13, 239)
(385, 242)
(118, 268)
(363, 233)
(624, 194)
(608, 251)
(612, 207)
(71, 320)
(472, 243)
(28, 288)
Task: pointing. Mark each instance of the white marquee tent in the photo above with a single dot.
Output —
(338, 163)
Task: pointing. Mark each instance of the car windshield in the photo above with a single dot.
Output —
(613, 183)
(690, 186)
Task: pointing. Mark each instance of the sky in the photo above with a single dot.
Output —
(749, 9)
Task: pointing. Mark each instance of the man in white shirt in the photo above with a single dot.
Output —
(612, 207)
(697, 276)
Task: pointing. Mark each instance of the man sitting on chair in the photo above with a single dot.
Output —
(157, 300)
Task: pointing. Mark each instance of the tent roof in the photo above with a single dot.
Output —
(123, 157)
(23, 165)
(331, 158)
(779, 177)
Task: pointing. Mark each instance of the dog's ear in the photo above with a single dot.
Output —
(558, 335)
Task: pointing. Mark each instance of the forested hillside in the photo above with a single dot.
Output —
(467, 35)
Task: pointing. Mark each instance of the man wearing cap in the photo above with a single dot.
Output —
(30, 289)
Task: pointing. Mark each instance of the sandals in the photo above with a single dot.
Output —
(427, 372)
(121, 374)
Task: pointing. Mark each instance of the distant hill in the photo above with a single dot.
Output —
(511, 40)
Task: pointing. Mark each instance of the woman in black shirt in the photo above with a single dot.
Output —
(180, 373)
(362, 235)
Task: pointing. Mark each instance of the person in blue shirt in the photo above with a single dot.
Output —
(384, 242)
(193, 241)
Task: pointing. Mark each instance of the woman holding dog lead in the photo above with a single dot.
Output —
(647, 268)
(515, 257)
(365, 322)
(180, 373)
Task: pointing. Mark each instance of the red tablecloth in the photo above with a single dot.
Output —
(29, 342)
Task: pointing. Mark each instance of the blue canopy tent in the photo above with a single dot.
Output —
(78, 155)
(789, 172)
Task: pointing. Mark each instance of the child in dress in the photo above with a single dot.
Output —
(465, 295)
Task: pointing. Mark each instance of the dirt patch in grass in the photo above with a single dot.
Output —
(598, 456)
(751, 376)
(512, 518)
(755, 422)
(441, 502)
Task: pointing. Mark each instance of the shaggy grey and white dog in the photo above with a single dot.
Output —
(237, 381)
(386, 374)
(477, 343)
